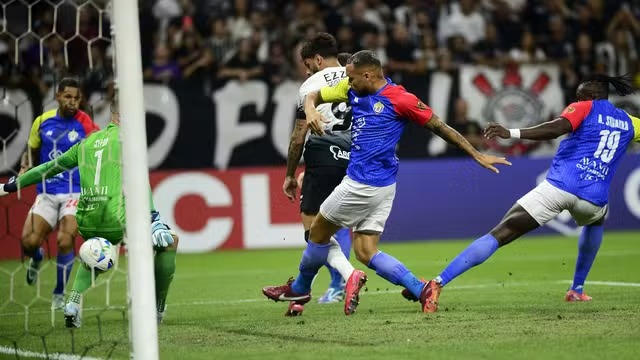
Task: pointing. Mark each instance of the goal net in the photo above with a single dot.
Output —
(41, 43)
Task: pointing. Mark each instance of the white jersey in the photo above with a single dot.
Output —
(333, 148)
(334, 113)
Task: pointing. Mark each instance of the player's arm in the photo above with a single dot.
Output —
(409, 107)
(569, 121)
(328, 94)
(66, 161)
(296, 147)
(32, 155)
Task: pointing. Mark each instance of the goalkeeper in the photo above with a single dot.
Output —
(101, 211)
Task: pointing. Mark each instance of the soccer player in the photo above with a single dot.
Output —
(578, 181)
(326, 157)
(101, 211)
(53, 133)
(363, 200)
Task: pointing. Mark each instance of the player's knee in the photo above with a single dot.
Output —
(31, 241)
(318, 233)
(65, 242)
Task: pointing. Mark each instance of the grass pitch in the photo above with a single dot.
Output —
(510, 307)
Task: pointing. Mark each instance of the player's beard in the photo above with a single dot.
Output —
(68, 112)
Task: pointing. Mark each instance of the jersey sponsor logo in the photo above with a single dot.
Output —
(339, 153)
(49, 133)
(73, 135)
(421, 105)
(593, 170)
(571, 109)
(378, 107)
(610, 121)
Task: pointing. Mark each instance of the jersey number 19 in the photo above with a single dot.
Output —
(609, 141)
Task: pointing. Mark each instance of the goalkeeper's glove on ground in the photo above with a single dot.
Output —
(160, 235)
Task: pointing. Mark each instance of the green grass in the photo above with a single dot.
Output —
(510, 307)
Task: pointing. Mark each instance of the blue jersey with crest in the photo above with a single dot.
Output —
(378, 122)
(587, 159)
(54, 135)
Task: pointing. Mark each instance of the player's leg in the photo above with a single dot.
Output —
(365, 245)
(84, 278)
(535, 208)
(340, 209)
(164, 269)
(67, 233)
(317, 185)
(40, 222)
(589, 243)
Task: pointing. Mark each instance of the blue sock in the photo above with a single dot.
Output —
(36, 255)
(588, 245)
(475, 254)
(343, 237)
(392, 270)
(64, 266)
(313, 257)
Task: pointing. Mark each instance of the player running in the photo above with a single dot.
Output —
(326, 157)
(101, 211)
(363, 200)
(578, 181)
(53, 133)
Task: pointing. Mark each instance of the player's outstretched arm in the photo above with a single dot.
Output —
(451, 136)
(296, 145)
(66, 161)
(545, 131)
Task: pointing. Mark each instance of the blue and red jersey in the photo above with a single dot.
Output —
(587, 159)
(378, 122)
(53, 135)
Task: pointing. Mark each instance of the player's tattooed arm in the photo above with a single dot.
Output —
(296, 146)
(546, 131)
(451, 136)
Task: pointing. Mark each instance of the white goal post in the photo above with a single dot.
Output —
(142, 307)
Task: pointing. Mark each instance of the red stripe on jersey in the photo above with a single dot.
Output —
(576, 112)
(407, 105)
(86, 122)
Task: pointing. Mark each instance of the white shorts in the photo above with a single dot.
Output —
(546, 201)
(53, 207)
(358, 206)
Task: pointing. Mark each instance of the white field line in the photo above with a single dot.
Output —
(38, 355)
(368, 293)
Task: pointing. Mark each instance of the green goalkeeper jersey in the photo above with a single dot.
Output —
(101, 210)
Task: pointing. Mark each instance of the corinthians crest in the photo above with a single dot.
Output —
(515, 105)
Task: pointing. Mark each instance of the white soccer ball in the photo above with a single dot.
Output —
(97, 253)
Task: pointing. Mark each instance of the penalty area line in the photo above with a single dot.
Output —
(40, 355)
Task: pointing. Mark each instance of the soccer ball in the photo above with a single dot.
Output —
(97, 253)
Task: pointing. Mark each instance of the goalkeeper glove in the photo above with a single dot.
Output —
(9, 187)
(160, 235)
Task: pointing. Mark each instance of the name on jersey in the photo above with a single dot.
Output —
(339, 153)
(334, 77)
(614, 123)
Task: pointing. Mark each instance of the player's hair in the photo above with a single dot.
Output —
(365, 58)
(68, 82)
(343, 57)
(322, 44)
(597, 85)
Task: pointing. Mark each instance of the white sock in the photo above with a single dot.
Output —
(338, 261)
